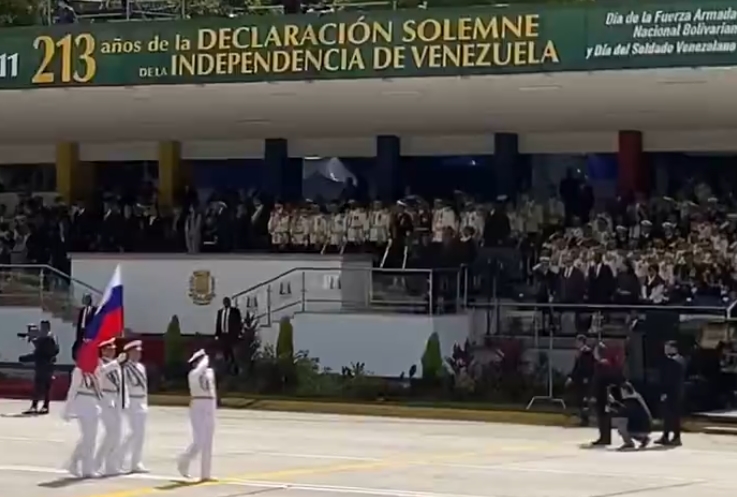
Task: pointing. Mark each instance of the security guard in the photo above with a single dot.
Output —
(43, 357)
(672, 378)
(581, 377)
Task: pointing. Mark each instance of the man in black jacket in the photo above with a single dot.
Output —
(631, 418)
(228, 326)
(672, 379)
(581, 376)
(606, 376)
(43, 357)
(84, 318)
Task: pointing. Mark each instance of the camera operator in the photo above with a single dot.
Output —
(43, 357)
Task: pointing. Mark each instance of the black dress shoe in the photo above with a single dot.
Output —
(30, 411)
(676, 442)
(44, 410)
(600, 443)
(661, 441)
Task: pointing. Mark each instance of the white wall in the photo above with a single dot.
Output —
(388, 344)
(158, 287)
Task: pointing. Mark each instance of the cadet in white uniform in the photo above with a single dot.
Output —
(136, 383)
(114, 400)
(83, 403)
(202, 409)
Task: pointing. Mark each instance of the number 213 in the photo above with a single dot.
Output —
(81, 47)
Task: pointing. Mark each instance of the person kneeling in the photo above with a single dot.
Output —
(631, 418)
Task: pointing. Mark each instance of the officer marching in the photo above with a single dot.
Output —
(136, 382)
(202, 407)
(114, 400)
(84, 404)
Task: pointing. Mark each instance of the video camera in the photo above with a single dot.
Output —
(33, 331)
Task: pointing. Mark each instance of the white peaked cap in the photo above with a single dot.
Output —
(197, 355)
(135, 344)
(107, 343)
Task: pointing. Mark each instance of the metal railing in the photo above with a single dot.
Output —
(43, 286)
(354, 289)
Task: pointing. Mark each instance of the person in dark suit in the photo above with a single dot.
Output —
(601, 281)
(631, 417)
(606, 376)
(572, 283)
(228, 326)
(84, 318)
(654, 289)
(581, 377)
(672, 379)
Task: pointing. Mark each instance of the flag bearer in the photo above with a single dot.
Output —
(202, 408)
(84, 403)
(136, 383)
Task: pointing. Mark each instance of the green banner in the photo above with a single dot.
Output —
(488, 40)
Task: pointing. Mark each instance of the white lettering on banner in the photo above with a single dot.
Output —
(662, 32)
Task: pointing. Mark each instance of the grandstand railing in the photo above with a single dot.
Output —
(36, 285)
(353, 289)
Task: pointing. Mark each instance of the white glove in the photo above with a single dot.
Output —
(122, 357)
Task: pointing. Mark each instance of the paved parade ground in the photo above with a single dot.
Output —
(304, 455)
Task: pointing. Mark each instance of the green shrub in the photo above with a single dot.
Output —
(285, 342)
(174, 350)
(432, 360)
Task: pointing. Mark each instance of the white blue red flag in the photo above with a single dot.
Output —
(107, 323)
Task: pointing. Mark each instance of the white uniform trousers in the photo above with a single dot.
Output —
(87, 412)
(133, 443)
(202, 418)
(108, 457)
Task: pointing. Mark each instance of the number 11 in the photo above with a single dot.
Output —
(8, 65)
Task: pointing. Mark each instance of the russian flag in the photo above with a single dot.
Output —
(107, 323)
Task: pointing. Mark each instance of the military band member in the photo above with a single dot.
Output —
(136, 381)
(358, 224)
(108, 456)
(338, 228)
(379, 224)
(299, 228)
(279, 226)
(443, 217)
(318, 228)
(84, 400)
(202, 408)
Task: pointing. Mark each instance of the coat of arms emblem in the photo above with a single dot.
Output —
(201, 287)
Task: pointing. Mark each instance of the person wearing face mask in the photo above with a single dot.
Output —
(631, 418)
(672, 379)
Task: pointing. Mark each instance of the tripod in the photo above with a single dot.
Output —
(549, 398)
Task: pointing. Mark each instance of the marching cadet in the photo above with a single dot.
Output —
(114, 400)
(338, 228)
(202, 409)
(83, 403)
(443, 217)
(380, 220)
(279, 227)
(135, 378)
(358, 224)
